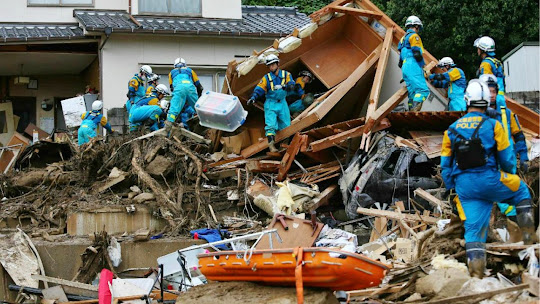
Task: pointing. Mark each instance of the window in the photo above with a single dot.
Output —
(171, 7)
(60, 2)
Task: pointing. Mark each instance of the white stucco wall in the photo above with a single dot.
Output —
(521, 68)
(231, 9)
(124, 54)
(19, 11)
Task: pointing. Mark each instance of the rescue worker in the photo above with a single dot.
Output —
(136, 88)
(485, 47)
(149, 109)
(91, 120)
(452, 78)
(412, 63)
(274, 86)
(473, 149)
(152, 83)
(512, 129)
(297, 96)
(186, 89)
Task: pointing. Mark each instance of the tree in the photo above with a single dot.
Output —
(450, 27)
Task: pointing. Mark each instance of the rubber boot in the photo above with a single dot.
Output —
(272, 143)
(525, 220)
(476, 258)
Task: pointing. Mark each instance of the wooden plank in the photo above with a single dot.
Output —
(374, 291)
(527, 117)
(379, 229)
(334, 60)
(314, 104)
(281, 135)
(225, 161)
(356, 12)
(396, 216)
(64, 282)
(513, 246)
(430, 142)
(339, 138)
(379, 74)
(347, 84)
(386, 108)
(403, 230)
(432, 200)
(289, 156)
(324, 197)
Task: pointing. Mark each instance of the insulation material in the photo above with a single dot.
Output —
(73, 108)
(379, 28)
(307, 30)
(19, 260)
(289, 44)
(247, 65)
(270, 51)
(325, 18)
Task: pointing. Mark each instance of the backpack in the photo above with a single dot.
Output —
(470, 153)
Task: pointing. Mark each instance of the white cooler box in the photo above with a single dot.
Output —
(220, 111)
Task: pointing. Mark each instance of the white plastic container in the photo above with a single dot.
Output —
(220, 111)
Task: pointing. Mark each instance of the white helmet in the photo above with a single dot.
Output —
(445, 61)
(154, 77)
(161, 88)
(486, 44)
(97, 105)
(477, 94)
(164, 104)
(146, 70)
(179, 62)
(490, 79)
(413, 20)
(271, 59)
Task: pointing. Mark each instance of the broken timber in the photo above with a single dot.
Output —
(397, 216)
(289, 156)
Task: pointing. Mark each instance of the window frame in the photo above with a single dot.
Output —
(60, 4)
(167, 13)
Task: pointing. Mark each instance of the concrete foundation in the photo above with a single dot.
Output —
(62, 259)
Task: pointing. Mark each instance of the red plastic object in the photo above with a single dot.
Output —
(104, 293)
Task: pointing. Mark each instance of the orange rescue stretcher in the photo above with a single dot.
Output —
(312, 267)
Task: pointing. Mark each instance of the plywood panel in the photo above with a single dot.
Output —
(333, 61)
(362, 35)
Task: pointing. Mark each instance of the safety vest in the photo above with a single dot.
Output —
(270, 80)
(92, 120)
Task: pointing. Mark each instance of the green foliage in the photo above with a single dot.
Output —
(304, 6)
(450, 27)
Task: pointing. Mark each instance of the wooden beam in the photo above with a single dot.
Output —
(478, 296)
(64, 282)
(374, 291)
(396, 216)
(339, 138)
(527, 117)
(289, 156)
(280, 135)
(379, 74)
(356, 12)
(324, 197)
(386, 108)
(347, 84)
(315, 103)
(432, 200)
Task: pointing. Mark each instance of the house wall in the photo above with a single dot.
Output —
(124, 54)
(521, 68)
(48, 88)
(19, 11)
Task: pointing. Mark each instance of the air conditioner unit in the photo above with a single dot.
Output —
(22, 80)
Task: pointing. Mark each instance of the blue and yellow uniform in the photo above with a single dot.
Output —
(150, 88)
(146, 109)
(91, 120)
(453, 79)
(297, 95)
(479, 187)
(184, 83)
(492, 65)
(513, 131)
(136, 91)
(276, 110)
(411, 50)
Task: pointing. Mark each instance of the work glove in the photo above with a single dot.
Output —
(251, 101)
(524, 166)
(400, 63)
